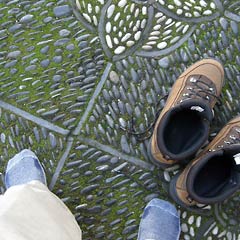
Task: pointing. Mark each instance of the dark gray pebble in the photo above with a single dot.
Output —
(14, 54)
(62, 11)
(47, 19)
(61, 42)
(10, 64)
(224, 23)
(30, 68)
(45, 49)
(70, 47)
(57, 59)
(45, 63)
(26, 19)
(15, 28)
(64, 33)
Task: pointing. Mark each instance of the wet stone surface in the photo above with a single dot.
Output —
(77, 76)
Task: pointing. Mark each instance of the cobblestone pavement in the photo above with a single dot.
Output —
(81, 83)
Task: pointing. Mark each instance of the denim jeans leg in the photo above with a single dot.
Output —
(160, 221)
(24, 167)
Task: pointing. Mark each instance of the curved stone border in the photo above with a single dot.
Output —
(81, 18)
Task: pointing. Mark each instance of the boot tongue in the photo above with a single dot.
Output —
(200, 107)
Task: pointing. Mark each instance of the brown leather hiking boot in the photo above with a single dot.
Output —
(215, 174)
(183, 125)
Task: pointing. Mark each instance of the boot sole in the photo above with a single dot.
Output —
(174, 196)
(153, 160)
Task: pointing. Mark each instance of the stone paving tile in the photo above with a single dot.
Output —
(82, 82)
(17, 133)
(105, 192)
(50, 67)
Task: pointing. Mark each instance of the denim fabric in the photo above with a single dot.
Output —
(23, 168)
(160, 221)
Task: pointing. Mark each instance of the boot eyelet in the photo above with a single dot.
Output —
(193, 80)
(212, 150)
(233, 137)
(238, 130)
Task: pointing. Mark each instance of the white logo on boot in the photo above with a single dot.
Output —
(197, 108)
(237, 158)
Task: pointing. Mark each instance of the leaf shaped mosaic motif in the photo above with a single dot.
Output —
(90, 10)
(190, 8)
(166, 33)
(124, 25)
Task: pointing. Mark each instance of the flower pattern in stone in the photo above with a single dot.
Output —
(149, 28)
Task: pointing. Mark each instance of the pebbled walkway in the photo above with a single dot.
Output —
(77, 76)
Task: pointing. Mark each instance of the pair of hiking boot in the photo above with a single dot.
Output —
(182, 129)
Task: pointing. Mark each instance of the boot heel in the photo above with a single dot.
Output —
(153, 160)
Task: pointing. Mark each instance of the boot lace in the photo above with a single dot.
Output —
(201, 88)
(146, 134)
(233, 138)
